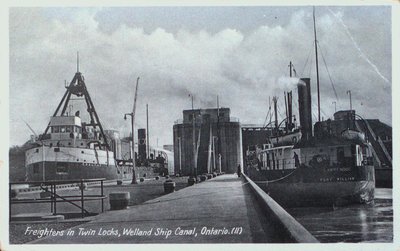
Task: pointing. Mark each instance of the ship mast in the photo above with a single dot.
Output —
(77, 87)
(316, 65)
(289, 113)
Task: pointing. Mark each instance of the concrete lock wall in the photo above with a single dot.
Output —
(230, 149)
(230, 146)
(285, 225)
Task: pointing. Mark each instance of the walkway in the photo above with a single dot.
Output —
(220, 210)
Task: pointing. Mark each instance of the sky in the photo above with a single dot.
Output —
(239, 53)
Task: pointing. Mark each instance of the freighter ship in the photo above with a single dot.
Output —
(332, 166)
(70, 148)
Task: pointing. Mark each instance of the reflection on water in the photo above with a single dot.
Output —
(355, 223)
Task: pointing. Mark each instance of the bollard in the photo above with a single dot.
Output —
(169, 186)
(157, 177)
(191, 181)
(13, 193)
(83, 186)
(119, 200)
(119, 182)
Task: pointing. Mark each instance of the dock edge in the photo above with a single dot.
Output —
(289, 225)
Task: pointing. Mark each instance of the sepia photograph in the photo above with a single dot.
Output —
(204, 124)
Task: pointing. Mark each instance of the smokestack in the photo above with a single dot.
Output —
(290, 113)
(274, 99)
(305, 107)
(142, 145)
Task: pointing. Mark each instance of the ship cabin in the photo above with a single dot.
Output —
(69, 131)
(340, 155)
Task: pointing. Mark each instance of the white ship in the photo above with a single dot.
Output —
(70, 148)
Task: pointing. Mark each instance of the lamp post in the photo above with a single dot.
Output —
(133, 148)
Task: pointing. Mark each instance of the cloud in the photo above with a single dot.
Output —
(243, 68)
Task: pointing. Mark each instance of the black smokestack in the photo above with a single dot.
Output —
(290, 112)
(142, 145)
(304, 91)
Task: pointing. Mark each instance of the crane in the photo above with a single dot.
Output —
(132, 114)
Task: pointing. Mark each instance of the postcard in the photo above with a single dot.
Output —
(241, 125)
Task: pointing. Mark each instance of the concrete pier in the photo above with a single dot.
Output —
(221, 210)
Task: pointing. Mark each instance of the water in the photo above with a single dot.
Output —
(354, 223)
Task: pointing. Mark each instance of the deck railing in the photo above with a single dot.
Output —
(51, 186)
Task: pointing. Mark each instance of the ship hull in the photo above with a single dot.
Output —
(320, 194)
(313, 187)
(70, 163)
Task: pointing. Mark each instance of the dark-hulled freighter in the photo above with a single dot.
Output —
(334, 165)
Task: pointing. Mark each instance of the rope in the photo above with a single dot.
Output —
(308, 57)
(271, 181)
(266, 118)
(326, 67)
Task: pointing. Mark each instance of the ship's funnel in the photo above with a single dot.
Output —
(142, 145)
(305, 114)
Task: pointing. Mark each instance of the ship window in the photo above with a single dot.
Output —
(62, 129)
(81, 143)
(36, 168)
(56, 149)
(56, 129)
(61, 169)
(68, 129)
(37, 150)
(69, 143)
